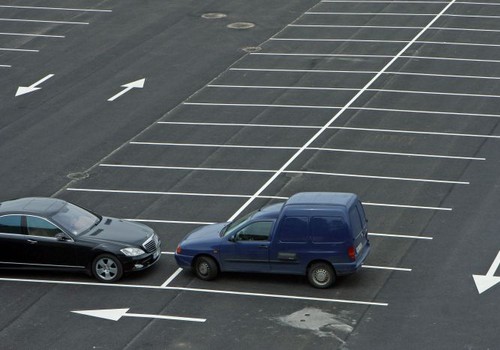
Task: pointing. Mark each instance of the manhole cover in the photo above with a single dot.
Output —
(241, 25)
(78, 175)
(213, 15)
(252, 49)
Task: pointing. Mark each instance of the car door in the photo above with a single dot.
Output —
(46, 250)
(13, 240)
(247, 250)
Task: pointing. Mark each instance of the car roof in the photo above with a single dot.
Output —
(322, 198)
(41, 206)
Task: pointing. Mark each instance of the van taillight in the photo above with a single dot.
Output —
(352, 253)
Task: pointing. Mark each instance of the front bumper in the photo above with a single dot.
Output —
(141, 262)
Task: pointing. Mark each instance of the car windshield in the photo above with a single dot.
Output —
(75, 219)
(233, 224)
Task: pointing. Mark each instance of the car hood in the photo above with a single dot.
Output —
(205, 233)
(119, 231)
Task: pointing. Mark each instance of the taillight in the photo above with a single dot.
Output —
(352, 253)
(178, 250)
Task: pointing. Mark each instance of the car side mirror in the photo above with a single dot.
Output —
(232, 238)
(61, 237)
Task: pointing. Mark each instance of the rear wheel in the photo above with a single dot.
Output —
(107, 268)
(206, 268)
(321, 275)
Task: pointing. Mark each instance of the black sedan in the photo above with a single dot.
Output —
(49, 233)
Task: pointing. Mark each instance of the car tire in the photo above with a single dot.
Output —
(206, 268)
(321, 275)
(107, 268)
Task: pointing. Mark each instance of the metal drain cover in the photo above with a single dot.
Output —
(213, 15)
(241, 25)
(252, 49)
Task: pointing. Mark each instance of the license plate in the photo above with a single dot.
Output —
(359, 248)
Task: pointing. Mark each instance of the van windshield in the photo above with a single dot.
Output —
(234, 224)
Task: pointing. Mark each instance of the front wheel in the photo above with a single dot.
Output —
(206, 268)
(107, 268)
(321, 275)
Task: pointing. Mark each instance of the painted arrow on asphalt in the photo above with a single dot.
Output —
(483, 283)
(138, 84)
(21, 90)
(116, 314)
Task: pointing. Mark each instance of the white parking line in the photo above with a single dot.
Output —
(434, 75)
(34, 35)
(320, 173)
(436, 58)
(317, 88)
(386, 268)
(378, 41)
(393, 235)
(392, 27)
(172, 221)
(52, 8)
(319, 149)
(412, 111)
(172, 277)
(5, 66)
(195, 290)
(404, 206)
(399, 14)
(39, 21)
(17, 50)
(409, 2)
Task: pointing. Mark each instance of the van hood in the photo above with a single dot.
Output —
(205, 233)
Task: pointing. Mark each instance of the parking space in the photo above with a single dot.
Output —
(392, 100)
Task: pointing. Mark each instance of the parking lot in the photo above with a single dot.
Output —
(396, 101)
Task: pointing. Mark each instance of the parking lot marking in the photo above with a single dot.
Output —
(434, 75)
(410, 2)
(195, 290)
(392, 235)
(34, 35)
(5, 66)
(17, 50)
(378, 41)
(406, 206)
(319, 149)
(392, 27)
(376, 14)
(172, 221)
(174, 275)
(116, 314)
(396, 110)
(417, 92)
(39, 21)
(320, 173)
(52, 8)
(386, 268)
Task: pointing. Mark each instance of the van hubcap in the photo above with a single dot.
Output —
(321, 276)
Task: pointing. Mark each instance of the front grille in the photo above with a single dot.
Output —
(151, 244)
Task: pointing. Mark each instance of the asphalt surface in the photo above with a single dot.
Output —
(409, 105)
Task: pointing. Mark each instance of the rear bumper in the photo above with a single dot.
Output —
(349, 268)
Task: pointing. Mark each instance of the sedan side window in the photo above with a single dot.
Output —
(41, 227)
(11, 224)
(257, 231)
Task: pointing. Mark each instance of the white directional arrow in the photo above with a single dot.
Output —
(483, 283)
(138, 84)
(21, 90)
(116, 314)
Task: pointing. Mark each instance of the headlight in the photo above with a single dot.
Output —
(132, 251)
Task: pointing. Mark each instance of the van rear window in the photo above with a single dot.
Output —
(294, 229)
(328, 229)
(357, 225)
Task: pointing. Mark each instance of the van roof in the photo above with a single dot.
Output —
(322, 198)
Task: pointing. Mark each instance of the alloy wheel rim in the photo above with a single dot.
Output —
(106, 269)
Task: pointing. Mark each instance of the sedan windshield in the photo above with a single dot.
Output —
(75, 219)
(232, 225)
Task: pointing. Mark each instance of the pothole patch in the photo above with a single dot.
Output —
(241, 25)
(252, 49)
(78, 175)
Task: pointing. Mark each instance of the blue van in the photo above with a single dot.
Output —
(319, 234)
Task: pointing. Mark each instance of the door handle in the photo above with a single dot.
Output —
(31, 241)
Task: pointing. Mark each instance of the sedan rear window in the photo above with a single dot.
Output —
(75, 219)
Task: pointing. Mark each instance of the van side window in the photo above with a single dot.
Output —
(257, 231)
(328, 229)
(356, 224)
(294, 229)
